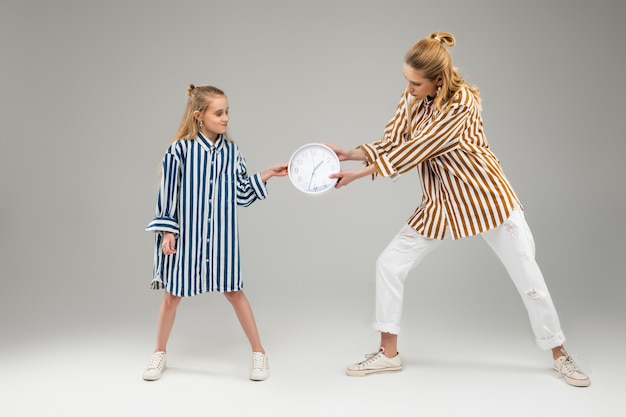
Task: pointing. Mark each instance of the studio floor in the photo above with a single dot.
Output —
(97, 372)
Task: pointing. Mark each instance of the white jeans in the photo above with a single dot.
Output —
(512, 242)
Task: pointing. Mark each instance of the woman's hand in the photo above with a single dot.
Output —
(169, 243)
(347, 154)
(346, 177)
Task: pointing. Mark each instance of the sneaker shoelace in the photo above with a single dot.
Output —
(156, 362)
(570, 366)
(259, 362)
(370, 357)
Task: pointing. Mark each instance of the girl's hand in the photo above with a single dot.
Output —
(278, 170)
(169, 243)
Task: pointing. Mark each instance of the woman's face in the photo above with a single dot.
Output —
(418, 86)
(215, 118)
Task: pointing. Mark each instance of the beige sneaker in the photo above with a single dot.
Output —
(375, 363)
(572, 374)
(260, 369)
(155, 366)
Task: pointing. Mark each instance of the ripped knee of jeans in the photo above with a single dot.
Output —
(534, 295)
(404, 242)
(512, 228)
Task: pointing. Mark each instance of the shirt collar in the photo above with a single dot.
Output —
(207, 145)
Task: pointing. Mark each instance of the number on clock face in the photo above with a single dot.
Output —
(310, 166)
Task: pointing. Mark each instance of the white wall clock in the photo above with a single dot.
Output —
(309, 168)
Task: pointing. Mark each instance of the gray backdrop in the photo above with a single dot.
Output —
(91, 94)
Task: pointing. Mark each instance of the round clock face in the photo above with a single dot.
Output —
(309, 168)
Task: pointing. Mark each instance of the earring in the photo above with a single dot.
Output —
(200, 124)
(438, 89)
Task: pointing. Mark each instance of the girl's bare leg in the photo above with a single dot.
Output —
(246, 318)
(167, 314)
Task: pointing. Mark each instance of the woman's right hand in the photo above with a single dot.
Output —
(169, 243)
(346, 177)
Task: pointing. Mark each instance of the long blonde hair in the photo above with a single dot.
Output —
(433, 59)
(200, 98)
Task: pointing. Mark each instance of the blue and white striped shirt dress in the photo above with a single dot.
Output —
(201, 187)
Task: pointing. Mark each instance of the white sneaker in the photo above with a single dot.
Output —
(155, 367)
(260, 368)
(571, 373)
(375, 363)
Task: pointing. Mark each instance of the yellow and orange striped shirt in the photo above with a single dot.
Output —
(463, 184)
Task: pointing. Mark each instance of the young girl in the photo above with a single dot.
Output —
(196, 235)
(437, 129)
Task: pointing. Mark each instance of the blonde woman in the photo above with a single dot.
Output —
(437, 130)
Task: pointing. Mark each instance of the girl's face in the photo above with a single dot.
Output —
(215, 118)
(418, 86)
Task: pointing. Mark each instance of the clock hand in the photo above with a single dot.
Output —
(317, 166)
(313, 174)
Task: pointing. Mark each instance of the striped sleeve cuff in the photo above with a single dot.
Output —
(383, 165)
(386, 168)
(370, 153)
(163, 224)
(260, 188)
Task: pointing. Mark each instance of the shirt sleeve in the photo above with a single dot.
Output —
(166, 217)
(249, 188)
(394, 155)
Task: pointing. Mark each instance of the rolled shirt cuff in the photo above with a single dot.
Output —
(383, 165)
(163, 224)
(260, 188)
